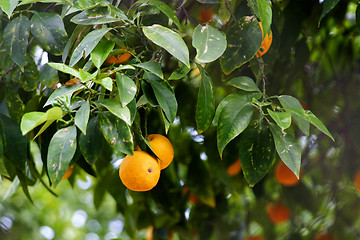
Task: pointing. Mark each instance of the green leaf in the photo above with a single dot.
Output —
(169, 40)
(61, 150)
(16, 35)
(61, 92)
(65, 69)
(291, 102)
(48, 76)
(14, 143)
(234, 118)
(8, 6)
(91, 144)
(288, 149)
(327, 5)
(126, 88)
(282, 119)
(164, 95)
(101, 52)
(262, 10)
(87, 45)
(15, 105)
(180, 72)
(117, 133)
(243, 41)
(31, 120)
(244, 83)
(105, 82)
(50, 116)
(48, 29)
(114, 106)
(205, 107)
(256, 152)
(151, 67)
(24, 184)
(209, 42)
(163, 7)
(82, 117)
(81, 5)
(93, 16)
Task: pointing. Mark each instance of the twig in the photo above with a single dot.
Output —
(188, 16)
(228, 8)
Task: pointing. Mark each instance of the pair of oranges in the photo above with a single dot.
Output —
(141, 171)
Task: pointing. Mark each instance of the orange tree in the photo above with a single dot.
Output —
(85, 82)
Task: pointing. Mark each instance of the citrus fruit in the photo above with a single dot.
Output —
(266, 42)
(277, 212)
(139, 172)
(234, 168)
(205, 14)
(324, 236)
(119, 58)
(255, 238)
(284, 175)
(68, 173)
(162, 148)
(357, 180)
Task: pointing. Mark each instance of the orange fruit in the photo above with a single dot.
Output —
(255, 238)
(266, 42)
(205, 14)
(162, 148)
(68, 173)
(284, 175)
(357, 180)
(119, 58)
(139, 172)
(277, 212)
(324, 236)
(234, 168)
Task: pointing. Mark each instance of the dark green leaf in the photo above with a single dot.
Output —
(282, 119)
(358, 16)
(62, 92)
(209, 42)
(48, 29)
(91, 144)
(16, 35)
(288, 149)
(327, 5)
(117, 133)
(114, 106)
(126, 88)
(256, 152)
(82, 117)
(48, 76)
(101, 52)
(15, 144)
(291, 102)
(244, 83)
(151, 67)
(205, 107)
(14, 104)
(243, 41)
(8, 6)
(61, 150)
(24, 185)
(169, 40)
(262, 10)
(29, 78)
(180, 72)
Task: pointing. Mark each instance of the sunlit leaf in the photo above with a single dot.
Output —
(126, 88)
(8, 6)
(93, 16)
(65, 69)
(282, 119)
(114, 106)
(61, 92)
(101, 52)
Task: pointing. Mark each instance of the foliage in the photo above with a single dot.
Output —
(203, 86)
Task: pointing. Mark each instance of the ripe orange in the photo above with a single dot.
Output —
(266, 42)
(234, 168)
(284, 175)
(68, 173)
(357, 180)
(255, 238)
(205, 14)
(139, 172)
(162, 148)
(119, 58)
(277, 212)
(324, 236)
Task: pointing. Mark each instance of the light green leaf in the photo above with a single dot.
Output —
(50, 116)
(61, 150)
(288, 149)
(115, 108)
(61, 92)
(209, 42)
(282, 119)
(244, 83)
(169, 40)
(151, 67)
(205, 107)
(87, 45)
(105, 82)
(48, 29)
(16, 35)
(31, 120)
(101, 52)
(126, 88)
(93, 16)
(82, 117)
(8, 6)
(65, 69)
